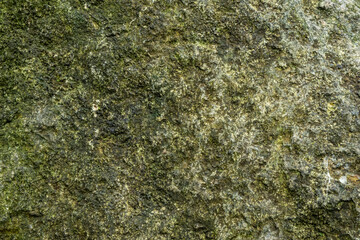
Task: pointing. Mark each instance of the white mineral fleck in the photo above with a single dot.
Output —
(343, 179)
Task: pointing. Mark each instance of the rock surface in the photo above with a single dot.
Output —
(180, 119)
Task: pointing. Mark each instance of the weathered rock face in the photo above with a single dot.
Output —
(208, 119)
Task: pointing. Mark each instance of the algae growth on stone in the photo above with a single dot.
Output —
(179, 119)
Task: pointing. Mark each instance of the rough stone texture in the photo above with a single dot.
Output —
(180, 119)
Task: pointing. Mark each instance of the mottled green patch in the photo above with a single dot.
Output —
(179, 119)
